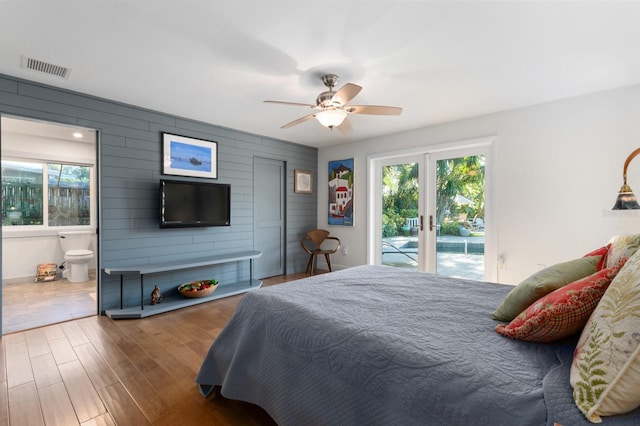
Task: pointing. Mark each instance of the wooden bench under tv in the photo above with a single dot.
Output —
(176, 301)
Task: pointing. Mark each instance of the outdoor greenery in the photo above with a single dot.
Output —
(457, 180)
(463, 176)
(67, 175)
(64, 189)
(399, 197)
(450, 228)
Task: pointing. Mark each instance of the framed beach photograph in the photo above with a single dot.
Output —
(184, 156)
(302, 181)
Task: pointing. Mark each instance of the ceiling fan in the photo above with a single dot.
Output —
(333, 109)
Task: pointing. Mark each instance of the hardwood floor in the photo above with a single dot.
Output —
(98, 371)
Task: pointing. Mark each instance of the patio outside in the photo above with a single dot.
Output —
(460, 257)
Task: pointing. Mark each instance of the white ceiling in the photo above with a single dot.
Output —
(216, 61)
(47, 130)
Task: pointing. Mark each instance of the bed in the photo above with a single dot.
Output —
(378, 345)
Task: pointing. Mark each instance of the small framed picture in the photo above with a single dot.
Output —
(184, 156)
(302, 181)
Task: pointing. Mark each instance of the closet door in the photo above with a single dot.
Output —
(269, 214)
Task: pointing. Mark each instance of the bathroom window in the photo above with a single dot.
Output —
(45, 194)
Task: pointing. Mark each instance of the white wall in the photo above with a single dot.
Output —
(22, 253)
(558, 168)
(21, 256)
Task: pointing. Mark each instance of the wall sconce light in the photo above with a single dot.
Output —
(626, 200)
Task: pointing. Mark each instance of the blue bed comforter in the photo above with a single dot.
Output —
(376, 345)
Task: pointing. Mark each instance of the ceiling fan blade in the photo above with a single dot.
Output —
(345, 128)
(298, 121)
(373, 109)
(291, 103)
(346, 93)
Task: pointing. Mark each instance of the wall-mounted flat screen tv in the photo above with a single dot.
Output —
(188, 204)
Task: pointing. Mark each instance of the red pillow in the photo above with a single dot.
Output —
(602, 251)
(562, 312)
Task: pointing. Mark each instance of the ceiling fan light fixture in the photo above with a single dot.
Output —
(333, 108)
(331, 117)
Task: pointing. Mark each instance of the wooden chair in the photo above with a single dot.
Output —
(316, 243)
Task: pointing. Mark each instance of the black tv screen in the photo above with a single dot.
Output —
(186, 204)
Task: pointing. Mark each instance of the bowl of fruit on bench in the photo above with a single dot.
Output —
(198, 288)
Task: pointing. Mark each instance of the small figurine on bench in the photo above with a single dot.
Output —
(156, 296)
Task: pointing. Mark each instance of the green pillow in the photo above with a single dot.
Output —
(542, 283)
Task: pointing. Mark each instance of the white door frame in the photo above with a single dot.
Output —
(478, 146)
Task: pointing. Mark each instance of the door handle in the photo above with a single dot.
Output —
(421, 222)
(430, 222)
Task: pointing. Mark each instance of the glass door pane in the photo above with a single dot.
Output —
(401, 215)
(459, 218)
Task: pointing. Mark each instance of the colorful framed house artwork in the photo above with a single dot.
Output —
(341, 192)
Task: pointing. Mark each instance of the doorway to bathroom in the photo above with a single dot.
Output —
(49, 187)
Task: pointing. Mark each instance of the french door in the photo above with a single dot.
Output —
(402, 211)
(456, 205)
(430, 212)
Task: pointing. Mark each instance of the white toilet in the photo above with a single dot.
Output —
(75, 245)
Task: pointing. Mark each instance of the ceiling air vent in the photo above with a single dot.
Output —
(45, 67)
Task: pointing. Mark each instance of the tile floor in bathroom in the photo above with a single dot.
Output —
(34, 304)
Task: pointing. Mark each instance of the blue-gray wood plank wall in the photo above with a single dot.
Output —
(129, 169)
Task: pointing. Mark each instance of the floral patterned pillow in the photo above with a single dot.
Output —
(622, 246)
(562, 312)
(605, 374)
